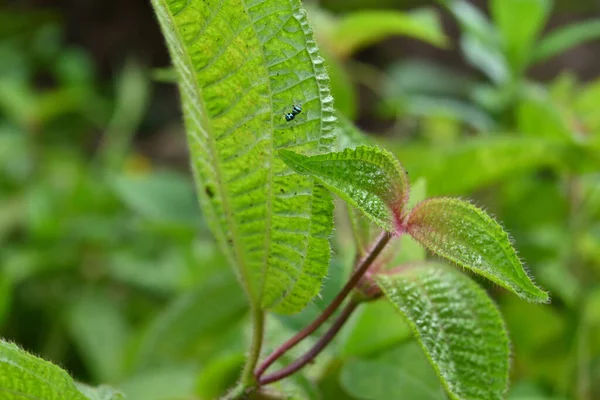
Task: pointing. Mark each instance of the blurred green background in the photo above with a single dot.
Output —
(107, 268)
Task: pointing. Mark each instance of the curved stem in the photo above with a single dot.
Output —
(258, 323)
(315, 350)
(358, 273)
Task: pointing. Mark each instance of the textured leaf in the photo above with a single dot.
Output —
(520, 21)
(400, 373)
(242, 65)
(458, 326)
(24, 376)
(563, 38)
(460, 232)
(360, 29)
(368, 178)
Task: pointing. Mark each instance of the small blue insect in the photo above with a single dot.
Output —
(295, 111)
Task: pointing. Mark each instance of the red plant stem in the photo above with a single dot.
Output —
(358, 273)
(315, 350)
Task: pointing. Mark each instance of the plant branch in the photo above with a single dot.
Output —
(258, 323)
(358, 273)
(315, 350)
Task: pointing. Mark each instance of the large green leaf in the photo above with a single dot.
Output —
(462, 233)
(368, 178)
(242, 65)
(458, 326)
(520, 21)
(24, 376)
(357, 30)
(563, 38)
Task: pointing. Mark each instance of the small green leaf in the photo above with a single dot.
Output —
(457, 325)
(480, 41)
(460, 232)
(520, 21)
(563, 38)
(25, 376)
(357, 30)
(366, 177)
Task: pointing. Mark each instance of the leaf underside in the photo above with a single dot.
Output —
(457, 325)
(368, 178)
(460, 232)
(242, 65)
(24, 376)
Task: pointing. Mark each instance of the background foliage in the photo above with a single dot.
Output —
(107, 267)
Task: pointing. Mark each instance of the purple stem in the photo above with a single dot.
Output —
(358, 273)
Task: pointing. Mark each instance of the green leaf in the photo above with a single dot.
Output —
(563, 38)
(479, 162)
(242, 65)
(520, 22)
(25, 376)
(457, 325)
(348, 135)
(99, 330)
(102, 392)
(400, 373)
(368, 178)
(162, 197)
(460, 232)
(537, 116)
(175, 331)
(361, 29)
(176, 382)
(479, 40)
(373, 328)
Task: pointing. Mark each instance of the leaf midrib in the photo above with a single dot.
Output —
(213, 152)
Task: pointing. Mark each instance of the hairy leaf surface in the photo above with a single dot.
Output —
(24, 376)
(368, 178)
(458, 326)
(462, 233)
(242, 65)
